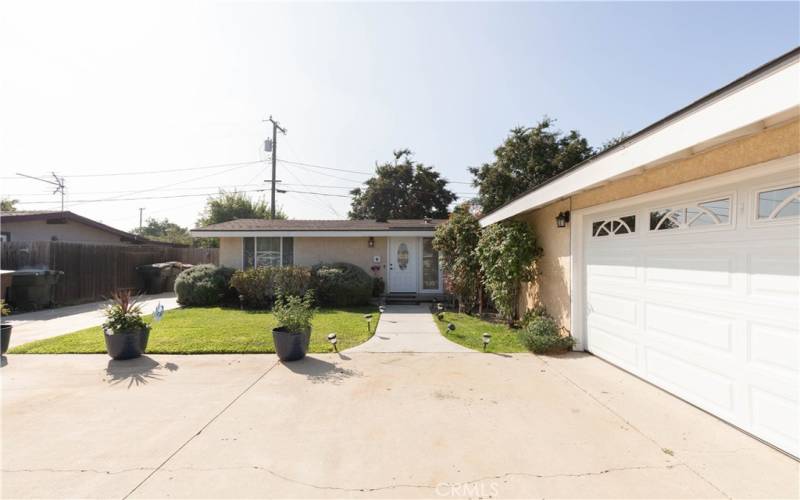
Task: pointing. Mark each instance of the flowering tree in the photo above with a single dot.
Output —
(506, 252)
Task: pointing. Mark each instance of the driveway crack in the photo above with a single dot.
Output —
(629, 423)
(203, 428)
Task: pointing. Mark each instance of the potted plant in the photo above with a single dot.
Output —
(126, 333)
(293, 333)
(5, 328)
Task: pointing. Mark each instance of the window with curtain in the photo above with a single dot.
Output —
(267, 252)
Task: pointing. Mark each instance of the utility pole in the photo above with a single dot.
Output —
(141, 209)
(274, 148)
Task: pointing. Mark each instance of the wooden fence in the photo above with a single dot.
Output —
(94, 271)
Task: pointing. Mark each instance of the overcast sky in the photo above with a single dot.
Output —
(136, 88)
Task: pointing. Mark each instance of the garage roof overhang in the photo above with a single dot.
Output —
(765, 97)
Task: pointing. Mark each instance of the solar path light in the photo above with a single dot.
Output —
(333, 340)
(487, 337)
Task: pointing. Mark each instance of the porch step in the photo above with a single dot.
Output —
(402, 298)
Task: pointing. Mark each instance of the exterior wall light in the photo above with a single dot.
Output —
(487, 337)
(332, 339)
(562, 219)
(371, 242)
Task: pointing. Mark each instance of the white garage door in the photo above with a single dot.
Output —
(699, 295)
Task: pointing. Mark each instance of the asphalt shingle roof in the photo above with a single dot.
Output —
(323, 225)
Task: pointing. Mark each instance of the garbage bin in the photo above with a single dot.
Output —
(34, 288)
(157, 276)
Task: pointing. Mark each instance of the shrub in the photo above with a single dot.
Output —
(456, 241)
(378, 286)
(203, 285)
(531, 314)
(541, 335)
(258, 286)
(341, 284)
(123, 313)
(506, 252)
(294, 313)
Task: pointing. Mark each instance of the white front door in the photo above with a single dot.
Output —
(698, 294)
(403, 261)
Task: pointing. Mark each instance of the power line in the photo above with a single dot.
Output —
(163, 171)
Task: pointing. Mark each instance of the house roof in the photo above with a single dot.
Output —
(763, 97)
(289, 227)
(44, 215)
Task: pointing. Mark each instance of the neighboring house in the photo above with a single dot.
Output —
(679, 260)
(400, 251)
(65, 226)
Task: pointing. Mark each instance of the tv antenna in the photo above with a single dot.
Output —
(58, 182)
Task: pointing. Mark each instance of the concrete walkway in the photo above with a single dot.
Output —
(408, 329)
(53, 322)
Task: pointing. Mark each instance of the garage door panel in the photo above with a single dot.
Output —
(773, 348)
(694, 383)
(710, 330)
(709, 315)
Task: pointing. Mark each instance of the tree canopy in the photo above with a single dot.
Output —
(402, 190)
(8, 205)
(164, 230)
(456, 241)
(528, 157)
(230, 205)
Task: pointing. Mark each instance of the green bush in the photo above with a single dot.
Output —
(341, 284)
(531, 314)
(203, 285)
(378, 286)
(294, 312)
(541, 335)
(259, 286)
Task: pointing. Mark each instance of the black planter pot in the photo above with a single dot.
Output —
(127, 344)
(5, 337)
(290, 346)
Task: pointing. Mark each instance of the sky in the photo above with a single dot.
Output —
(157, 105)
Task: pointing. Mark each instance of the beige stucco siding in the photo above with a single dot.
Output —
(552, 287)
(355, 250)
(311, 251)
(230, 252)
(39, 230)
(773, 143)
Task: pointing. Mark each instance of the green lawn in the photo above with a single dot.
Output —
(217, 330)
(469, 333)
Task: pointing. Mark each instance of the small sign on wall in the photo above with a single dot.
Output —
(376, 259)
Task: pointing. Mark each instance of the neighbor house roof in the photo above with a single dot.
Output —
(59, 216)
(763, 97)
(288, 227)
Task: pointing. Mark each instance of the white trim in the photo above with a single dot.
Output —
(787, 165)
(421, 278)
(771, 94)
(201, 233)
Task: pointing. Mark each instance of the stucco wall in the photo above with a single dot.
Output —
(310, 251)
(773, 143)
(70, 231)
(552, 288)
(230, 252)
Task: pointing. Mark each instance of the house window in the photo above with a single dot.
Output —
(616, 226)
(430, 265)
(779, 203)
(267, 252)
(402, 256)
(5, 236)
(706, 213)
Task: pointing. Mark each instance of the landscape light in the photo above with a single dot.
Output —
(451, 326)
(487, 337)
(368, 317)
(440, 316)
(332, 339)
(382, 309)
(440, 306)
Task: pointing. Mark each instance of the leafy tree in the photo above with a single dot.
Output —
(230, 205)
(456, 241)
(8, 205)
(622, 137)
(528, 157)
(164, 230)
(506, 252)
(402, 190)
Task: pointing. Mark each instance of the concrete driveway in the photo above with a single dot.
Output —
(365, 425)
